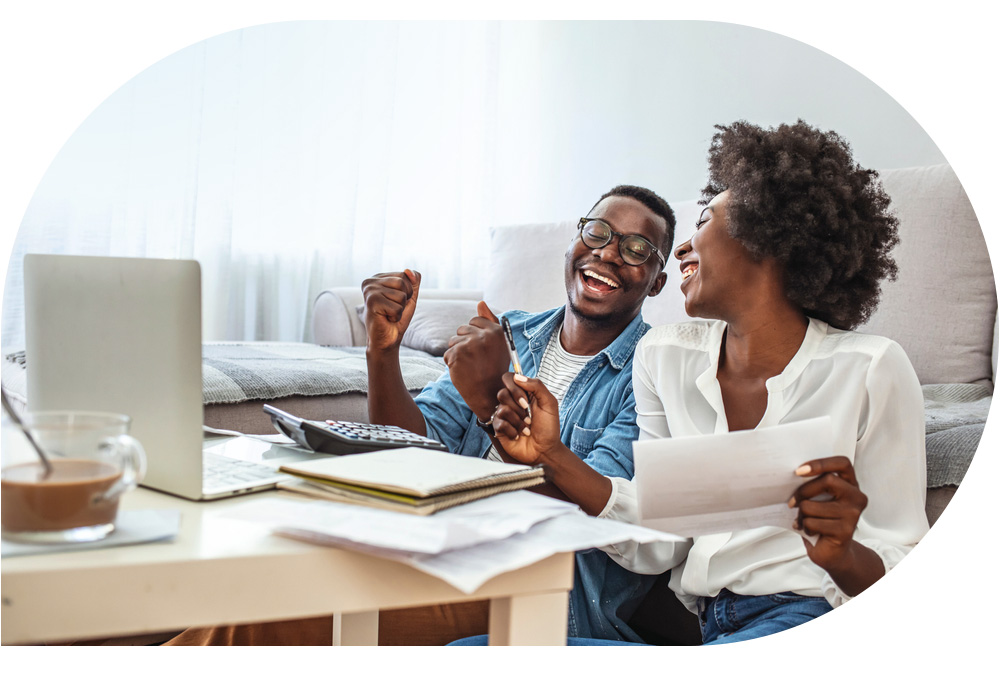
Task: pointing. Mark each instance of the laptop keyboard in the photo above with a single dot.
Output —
(220, 472)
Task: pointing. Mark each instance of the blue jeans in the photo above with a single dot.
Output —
(483, 640)
(728, 617)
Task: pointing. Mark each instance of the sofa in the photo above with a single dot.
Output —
(942, 310)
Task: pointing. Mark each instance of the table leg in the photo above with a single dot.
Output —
(529, 619)
(356, 629)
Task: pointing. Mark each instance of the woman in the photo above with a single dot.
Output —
(786, 259)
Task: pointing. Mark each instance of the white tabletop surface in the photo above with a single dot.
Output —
(221, 570)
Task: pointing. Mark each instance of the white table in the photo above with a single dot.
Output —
(223, 571)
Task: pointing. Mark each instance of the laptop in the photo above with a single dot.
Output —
(124, 335)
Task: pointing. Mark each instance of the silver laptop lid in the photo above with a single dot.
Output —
(122, 335)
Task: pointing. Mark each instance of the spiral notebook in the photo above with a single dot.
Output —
(411, 480)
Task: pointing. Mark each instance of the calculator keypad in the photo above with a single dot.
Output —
(346, 438)
(379, 433)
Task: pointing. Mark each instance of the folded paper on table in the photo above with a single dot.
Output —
(411, 480)
(695, 485)
(470, 567)
(487, 519)
(382, 499)
(465, 546)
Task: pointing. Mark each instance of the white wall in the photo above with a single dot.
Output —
(589, 104)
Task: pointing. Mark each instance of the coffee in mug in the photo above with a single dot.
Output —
(93, 463)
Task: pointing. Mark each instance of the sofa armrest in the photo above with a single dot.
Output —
(335, 321)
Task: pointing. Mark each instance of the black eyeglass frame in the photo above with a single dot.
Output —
(621, 241)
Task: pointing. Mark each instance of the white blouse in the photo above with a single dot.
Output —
(865, 383)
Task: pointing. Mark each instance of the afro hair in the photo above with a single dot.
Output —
(797, 195)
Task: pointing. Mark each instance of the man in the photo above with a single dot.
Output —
(582, 351)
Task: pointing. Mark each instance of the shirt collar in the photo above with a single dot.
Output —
(539, 328)
(815, 332)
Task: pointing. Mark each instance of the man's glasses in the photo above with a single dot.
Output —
(634, 249)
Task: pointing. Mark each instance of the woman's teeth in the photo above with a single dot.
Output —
(688, 271)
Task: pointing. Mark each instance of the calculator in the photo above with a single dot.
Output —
(346, 438)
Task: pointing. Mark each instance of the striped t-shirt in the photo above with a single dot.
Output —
(557, 371)
(559, 368)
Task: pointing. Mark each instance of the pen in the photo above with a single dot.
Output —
(509, 335)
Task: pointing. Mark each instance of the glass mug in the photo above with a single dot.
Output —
(94, 462)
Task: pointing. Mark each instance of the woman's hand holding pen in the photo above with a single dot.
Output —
(527, 419)
(536, 440)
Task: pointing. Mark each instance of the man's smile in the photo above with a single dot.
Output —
(590, 277)
(599, 283)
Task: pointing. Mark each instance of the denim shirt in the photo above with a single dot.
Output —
(597, 422)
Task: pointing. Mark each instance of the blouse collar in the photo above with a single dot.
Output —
(708, 382)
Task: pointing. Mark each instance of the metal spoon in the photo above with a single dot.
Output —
(17, 420)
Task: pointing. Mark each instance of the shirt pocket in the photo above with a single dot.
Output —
(582, 441)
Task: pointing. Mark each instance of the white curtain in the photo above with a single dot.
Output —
(292, 157)
(285, 158)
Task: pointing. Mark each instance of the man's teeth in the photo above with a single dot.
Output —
(609, 282)
(688, 271)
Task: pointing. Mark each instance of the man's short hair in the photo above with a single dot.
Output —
(654, 203)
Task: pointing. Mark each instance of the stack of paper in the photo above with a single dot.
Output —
(465, 546)
(411, 480)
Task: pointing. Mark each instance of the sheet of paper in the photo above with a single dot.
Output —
(697, 485)
(470, 567)
(466, 525)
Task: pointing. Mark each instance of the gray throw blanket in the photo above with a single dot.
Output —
(954, 415)
(233, 372)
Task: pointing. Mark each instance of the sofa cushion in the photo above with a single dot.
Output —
(668, 306)
(527, 266)
(434, 323)
(248, 417)
(942, 309)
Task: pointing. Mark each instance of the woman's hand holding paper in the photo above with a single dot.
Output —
(830, 506)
